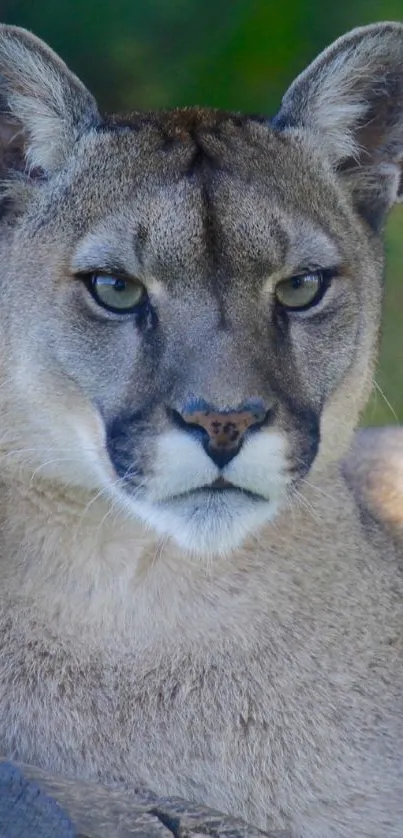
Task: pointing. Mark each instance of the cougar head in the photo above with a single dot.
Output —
(191, 299)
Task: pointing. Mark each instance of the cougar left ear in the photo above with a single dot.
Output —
(351, 100)
(44, 108)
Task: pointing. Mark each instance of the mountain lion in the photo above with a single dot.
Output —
(194, 595)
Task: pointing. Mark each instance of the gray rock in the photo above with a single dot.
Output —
(98, 811)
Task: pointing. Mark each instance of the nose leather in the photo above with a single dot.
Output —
(224, 431)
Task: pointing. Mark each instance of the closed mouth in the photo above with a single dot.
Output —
(220, 486)
(233, 490)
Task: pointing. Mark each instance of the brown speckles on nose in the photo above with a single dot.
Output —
(221, 432)
(225, 429)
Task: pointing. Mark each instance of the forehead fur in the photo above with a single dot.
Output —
(195, 192)
(201, 142)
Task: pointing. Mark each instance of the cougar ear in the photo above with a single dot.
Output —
(44, 108)
(351, 100)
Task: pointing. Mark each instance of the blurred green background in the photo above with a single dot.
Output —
(234, 54)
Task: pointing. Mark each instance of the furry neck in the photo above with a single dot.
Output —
(88, 568)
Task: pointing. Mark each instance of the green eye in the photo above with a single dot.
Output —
(121, 295)
(300, 292)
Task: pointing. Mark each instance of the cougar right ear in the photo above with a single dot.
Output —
(350, 101)
(44, 108)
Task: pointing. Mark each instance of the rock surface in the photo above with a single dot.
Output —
(101, 812)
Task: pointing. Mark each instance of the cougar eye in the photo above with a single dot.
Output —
(300, 292)
(121, 295)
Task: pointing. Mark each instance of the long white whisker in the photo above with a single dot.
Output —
(386, 400)
(316, 489)
(112, 510)
(49, 462)
(303, 501)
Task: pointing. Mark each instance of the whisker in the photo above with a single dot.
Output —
(158, 551)
(317, 489)
(386, 400)
(6, 382)
(303, 501)
(49, 462)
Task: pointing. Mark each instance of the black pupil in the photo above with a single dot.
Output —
(119, 284)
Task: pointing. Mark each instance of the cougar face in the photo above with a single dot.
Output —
(190, 304)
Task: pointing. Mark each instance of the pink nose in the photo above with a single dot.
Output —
(224, 430)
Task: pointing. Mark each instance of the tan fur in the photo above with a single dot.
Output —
(374, 467)
(240, 648)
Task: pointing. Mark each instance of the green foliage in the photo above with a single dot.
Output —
(235, 54)
(386, 405)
